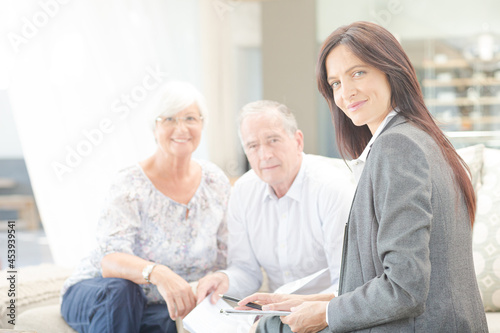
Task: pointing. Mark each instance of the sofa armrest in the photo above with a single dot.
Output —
(36, 286)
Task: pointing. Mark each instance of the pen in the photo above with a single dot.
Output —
(234, 299)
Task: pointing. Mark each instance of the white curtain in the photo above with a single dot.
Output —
(79, 77)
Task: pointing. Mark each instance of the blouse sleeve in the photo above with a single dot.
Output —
(223, 190)
(222, 245)
(119, 221)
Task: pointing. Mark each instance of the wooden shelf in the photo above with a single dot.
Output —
(463, 101)
(461, 82)
(25, 205)
(473, 134)
(462, 91)
(470, 120)
(451, 63)
(459, 63)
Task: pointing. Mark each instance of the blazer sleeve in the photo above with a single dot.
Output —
(400, 180)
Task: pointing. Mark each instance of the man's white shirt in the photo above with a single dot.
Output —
(291, 237)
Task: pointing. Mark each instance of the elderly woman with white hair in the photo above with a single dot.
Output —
(163, 226)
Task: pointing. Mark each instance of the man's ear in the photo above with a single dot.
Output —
(299, 138)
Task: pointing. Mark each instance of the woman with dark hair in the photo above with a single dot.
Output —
(407, 260)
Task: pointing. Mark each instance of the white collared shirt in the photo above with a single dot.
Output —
(358, 164)
(290, 237)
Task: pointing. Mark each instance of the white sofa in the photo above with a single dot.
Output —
(38, 300)
(485, 166)
(38, 286)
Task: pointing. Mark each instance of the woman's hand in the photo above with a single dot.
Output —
(272, 302)
(281, 302)
(175, 290)
(308, 317)
(308, 311)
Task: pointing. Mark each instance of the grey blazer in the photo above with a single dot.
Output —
(407, 262)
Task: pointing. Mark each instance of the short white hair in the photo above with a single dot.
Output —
(173, 97)
(272, 108)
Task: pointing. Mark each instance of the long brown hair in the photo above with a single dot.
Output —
(377, 47)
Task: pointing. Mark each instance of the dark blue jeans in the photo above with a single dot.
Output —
(112, 305)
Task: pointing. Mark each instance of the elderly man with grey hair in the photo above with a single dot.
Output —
(286, 215)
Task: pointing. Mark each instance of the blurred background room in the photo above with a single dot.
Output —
(76, 78)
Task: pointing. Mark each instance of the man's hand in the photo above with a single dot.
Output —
(308, 317)
(175, 290)
(216, 283)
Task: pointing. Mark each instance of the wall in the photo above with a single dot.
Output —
(79, 87)
(412, 19)
(10, 147)
(288, 62)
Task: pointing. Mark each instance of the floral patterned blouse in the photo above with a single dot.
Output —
(140, 220)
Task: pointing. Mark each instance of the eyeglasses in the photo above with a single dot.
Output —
(173, 121)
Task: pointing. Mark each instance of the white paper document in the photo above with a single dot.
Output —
(222, 318)
(207, 318)
(319, 282)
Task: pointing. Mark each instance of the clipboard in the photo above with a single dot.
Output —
(206, 318)
(254, 312)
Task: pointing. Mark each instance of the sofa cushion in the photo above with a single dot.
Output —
(44, 319)
(493, 319)
(486, 234)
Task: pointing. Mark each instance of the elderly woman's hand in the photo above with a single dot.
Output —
(175, 290)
